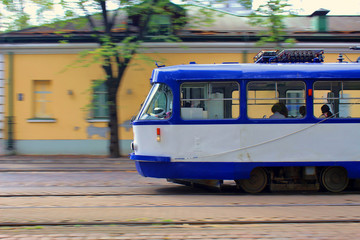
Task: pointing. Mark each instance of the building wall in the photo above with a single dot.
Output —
(2, 103)
(69, 130)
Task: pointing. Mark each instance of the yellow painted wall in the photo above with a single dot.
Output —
(332, 57)
(68, 109)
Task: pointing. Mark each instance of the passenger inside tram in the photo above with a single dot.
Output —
(326, 113)
(278, 111)
(302, 111)
(284, 111)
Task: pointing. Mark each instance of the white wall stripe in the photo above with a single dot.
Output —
(184, 47)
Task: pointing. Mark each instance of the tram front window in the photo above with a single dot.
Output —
(159, 103)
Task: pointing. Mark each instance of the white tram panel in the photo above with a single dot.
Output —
(186, 142)
(250, 142)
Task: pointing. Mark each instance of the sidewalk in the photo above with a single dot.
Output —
(64, 163)
(59, 159)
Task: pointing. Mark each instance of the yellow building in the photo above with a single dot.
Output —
(49, 101)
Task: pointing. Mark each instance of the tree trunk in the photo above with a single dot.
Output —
(114, 149)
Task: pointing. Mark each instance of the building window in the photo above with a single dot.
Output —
(100, 107)
(42, 99)
(159, 25)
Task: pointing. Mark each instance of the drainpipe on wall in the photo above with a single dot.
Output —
(245, 55)
(10, 117)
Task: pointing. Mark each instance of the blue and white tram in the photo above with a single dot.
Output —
(218, 122)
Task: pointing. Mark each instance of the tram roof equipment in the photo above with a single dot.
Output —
(289, 56)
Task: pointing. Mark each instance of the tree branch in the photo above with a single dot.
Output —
(113, 19)
(88, 16)
(105, 17)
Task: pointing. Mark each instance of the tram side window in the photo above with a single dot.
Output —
(341, 97)
(215, 100)
(287, 98)
(159, 104)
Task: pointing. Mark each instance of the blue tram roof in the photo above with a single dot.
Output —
(296, 71)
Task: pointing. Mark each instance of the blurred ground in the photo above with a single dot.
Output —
(64, 163)
(57, 197)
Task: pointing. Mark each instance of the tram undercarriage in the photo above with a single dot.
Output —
(332, 179)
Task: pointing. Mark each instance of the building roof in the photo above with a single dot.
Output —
(225, 27)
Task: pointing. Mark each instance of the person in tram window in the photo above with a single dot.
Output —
(284, 111)
(277, 109)
(326, 113)
(302, 111)
(168, 114)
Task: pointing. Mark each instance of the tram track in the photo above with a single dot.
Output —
(38, 203)
(129, 201)
(179, 223)
(173, 211)
(217, 193)
(186, 206)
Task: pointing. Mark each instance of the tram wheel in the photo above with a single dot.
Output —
(256, 183)
(334, 179)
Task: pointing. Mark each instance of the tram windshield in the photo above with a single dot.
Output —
(159, 103)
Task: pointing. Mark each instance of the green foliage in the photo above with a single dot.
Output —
(246, 3)
(271, 17)
(33, 227)
(167, 221)
(204, 17)
(150, 20)
(16, 14)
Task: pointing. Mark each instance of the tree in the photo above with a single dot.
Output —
(115, 56)
(271, 16)
(114, 52)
